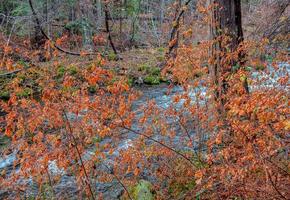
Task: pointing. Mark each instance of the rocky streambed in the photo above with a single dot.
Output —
(67, 187)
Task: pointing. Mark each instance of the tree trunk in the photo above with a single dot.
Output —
(106, 10)
(226, 33)
(85, 9)
(38, 41)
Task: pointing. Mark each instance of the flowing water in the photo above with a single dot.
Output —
(67, 186)
(113, 190)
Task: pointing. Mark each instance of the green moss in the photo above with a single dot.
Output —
(130, 81)
(112, 56)
(161, 49)
(4, 141)
(179, 188)
(69, 89)
(198, 74)
(73, 70)
(22, 77)
(144, 68)
(152, 80)
(4, 95)
(248, 68)
(155, 71)
(269, 58)
(259, 67)
(147, 68)
(46, 191)
(142, 191)
(60, 71)
(23, 63)
(97, 140)
(152, 74)
(92, 89)
(236, 68)
(160, 58)
(26, 92)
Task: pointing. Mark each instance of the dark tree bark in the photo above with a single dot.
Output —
(228, 18)
(106, 10)
(38, 40)
(227, 34)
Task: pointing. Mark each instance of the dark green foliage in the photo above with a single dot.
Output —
(4, 95)
(4, 141)
(112, 56)
(75, 26)
(60, 71)
(179, 188)
(92, 89)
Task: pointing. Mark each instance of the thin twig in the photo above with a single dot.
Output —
(162, 144)
(79, 154)
(119, 181)
(50, 182)
(108, 29)
(10, 73)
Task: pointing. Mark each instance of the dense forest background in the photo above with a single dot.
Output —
(82, 25)
(144, 99)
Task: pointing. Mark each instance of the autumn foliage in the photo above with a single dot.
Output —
(201, 145)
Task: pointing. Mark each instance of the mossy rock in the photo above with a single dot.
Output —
(152, 80)
(148, 69)
(142, 191)
(155, 71)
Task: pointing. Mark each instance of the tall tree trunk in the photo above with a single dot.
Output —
(85, 12)
(162, 5)
(38, 40)
(46, 11)
(227, 34)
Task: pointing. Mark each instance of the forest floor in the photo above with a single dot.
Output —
(137, 66)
